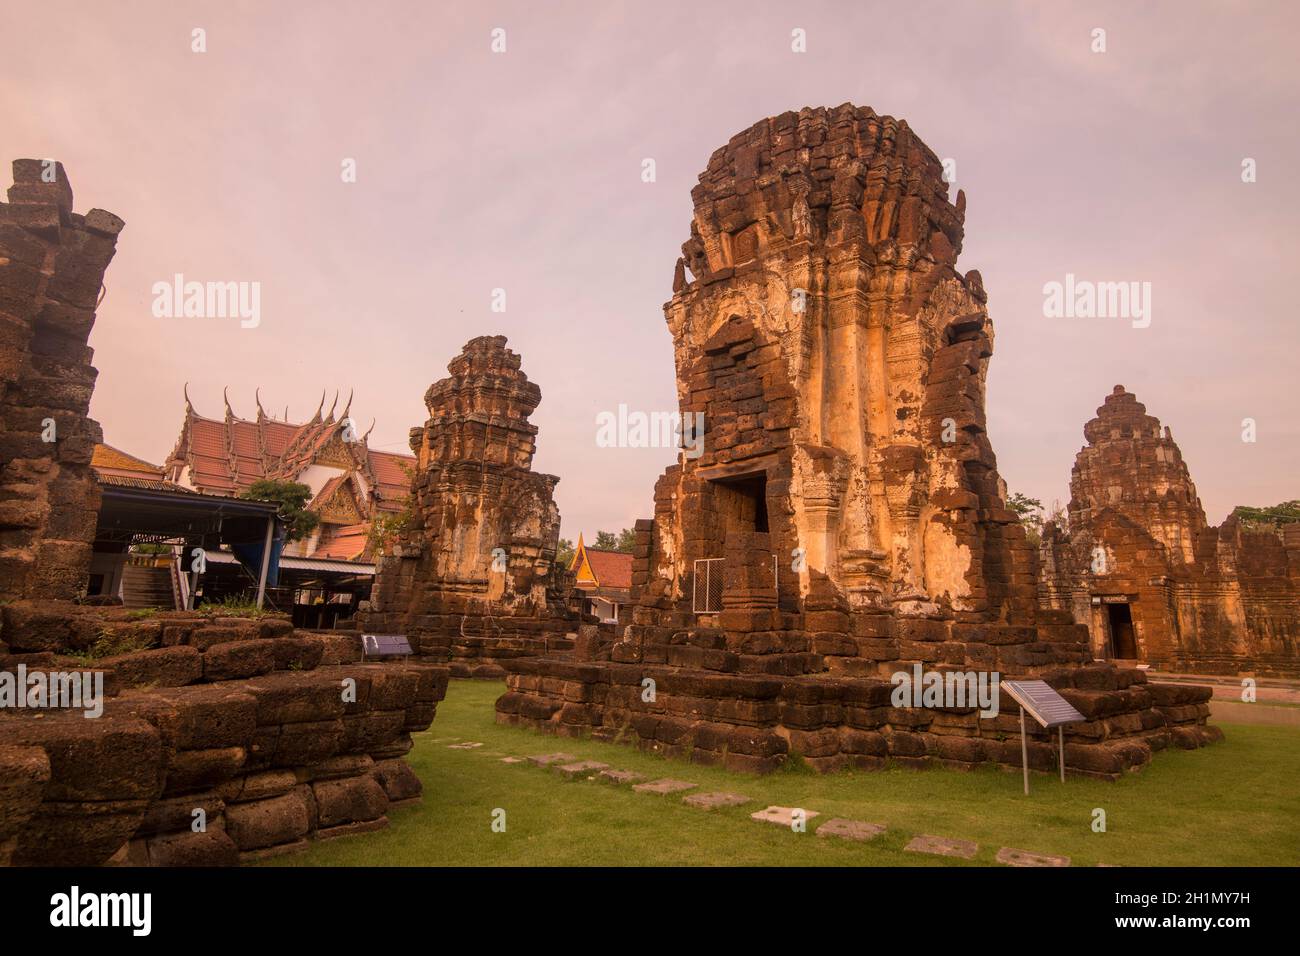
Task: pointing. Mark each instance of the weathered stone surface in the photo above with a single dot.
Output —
(714, 800)
(264, 823)
(619, 777)
(52, 266)
(349, 800)
(24, 773)
(213, 847)
(581, 770)
(238, 659)
(664, 787)
(850, 829)
(1013, 857)
(546, 760)
(783, 816)
(472, 577)
(942, 846)
(398, 780)
(159, 667)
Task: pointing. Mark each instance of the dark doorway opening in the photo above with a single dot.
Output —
(742, 502)
(1123, 641)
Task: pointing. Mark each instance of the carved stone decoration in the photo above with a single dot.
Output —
(471, 578)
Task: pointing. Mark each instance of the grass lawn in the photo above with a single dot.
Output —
(1234, 803)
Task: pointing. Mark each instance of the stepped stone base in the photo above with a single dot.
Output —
(483, 652)
(714, 704)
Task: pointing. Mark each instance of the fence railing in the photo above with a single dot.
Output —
(706, 584)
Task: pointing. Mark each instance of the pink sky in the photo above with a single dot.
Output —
(522, 171)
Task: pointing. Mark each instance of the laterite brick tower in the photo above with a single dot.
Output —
(844, 518)
(52, 263)
(470, 578)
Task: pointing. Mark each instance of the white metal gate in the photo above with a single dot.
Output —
(706, 584)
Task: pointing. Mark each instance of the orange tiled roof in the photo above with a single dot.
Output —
(108, 460)
(225, 456)
(347, 543)
(613, 569)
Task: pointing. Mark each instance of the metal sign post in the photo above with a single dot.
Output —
(1047, 707)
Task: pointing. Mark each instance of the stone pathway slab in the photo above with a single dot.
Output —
(942, 846)
(512, 759)
(545, 760)
(619, 776)
(664, 787)
(782, 816)
(467, 745)
(583, 768)
(850, 829)
(1013, 857)
(711, 801)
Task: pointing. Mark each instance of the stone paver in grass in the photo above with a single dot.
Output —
(850, 829)
(711, 801)
(1014, 857)
(782, 816)
(512, 759)
(664, 787)
(619, 776)
(465, 745)
(942, 846)
(545, 760)
(583, 768)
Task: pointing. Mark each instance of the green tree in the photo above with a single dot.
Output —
(292, 497)
(385, 528)
(1275, 515)
(624, 541)
(1030, 512)
(564, 553)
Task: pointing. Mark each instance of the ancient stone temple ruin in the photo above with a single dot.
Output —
(151, 738)
(471, 578)
(845, 520)
(1141, 567)
(52, 264)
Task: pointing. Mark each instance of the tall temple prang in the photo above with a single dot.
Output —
(470, 578)
(845, 521)
(1154, 582)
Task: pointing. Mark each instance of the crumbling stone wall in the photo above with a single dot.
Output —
(1204, 599)
(845, 497)
(277, 736)
(52, 264)
(471, 577)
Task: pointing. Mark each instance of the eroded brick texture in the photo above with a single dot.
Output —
(471, 578)
(277, 736)
(846, 493)
(52, 264)
(1211, 600)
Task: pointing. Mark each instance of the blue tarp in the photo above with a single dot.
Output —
(250, 556)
